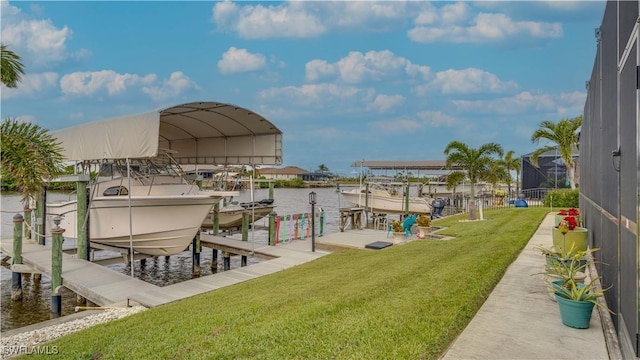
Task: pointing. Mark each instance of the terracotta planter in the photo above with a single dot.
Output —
(398, 237)
(424, 231)
(575, 240)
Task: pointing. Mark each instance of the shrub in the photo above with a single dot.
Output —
(562, 198)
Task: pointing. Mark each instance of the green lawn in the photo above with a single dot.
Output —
(403, 302)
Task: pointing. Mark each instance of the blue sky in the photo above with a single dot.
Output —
(343, 80)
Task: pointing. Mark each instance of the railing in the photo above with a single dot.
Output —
(533, 197)
(297, 226)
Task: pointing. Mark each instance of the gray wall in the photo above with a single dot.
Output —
(610, 187)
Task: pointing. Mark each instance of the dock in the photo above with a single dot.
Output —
(106, 287)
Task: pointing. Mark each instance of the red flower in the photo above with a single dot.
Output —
(571, 222)
(570, 212)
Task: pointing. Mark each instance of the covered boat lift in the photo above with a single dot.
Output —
(195, 133)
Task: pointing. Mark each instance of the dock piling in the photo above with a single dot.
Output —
(82, 201)
(226, 260)
(272, 228)
(56, 269)
(27, 220)
(195, 247)
(214, 261)
(16, 277)
(245, 235)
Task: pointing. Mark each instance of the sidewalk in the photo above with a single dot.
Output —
(520, 321)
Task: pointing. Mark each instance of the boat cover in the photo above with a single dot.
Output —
(195, 133)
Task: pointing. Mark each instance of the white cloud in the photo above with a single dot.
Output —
(307, 19)
(465, 81)
(383, 103)
(38, 41)
(89, 83)
(449, 24)
(177, 84)
(437, 118)
(372, 65)
(288, 20)
(31, 84)
(316, 95)
(526, 102)
(237, 60)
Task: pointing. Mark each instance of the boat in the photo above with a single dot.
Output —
(141, 206)
(379, 198)
(165, 212)
(230, 216)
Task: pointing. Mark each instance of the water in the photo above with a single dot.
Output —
(35, 304)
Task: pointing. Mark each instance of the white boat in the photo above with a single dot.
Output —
(379, 199)
(165, 213)
(230, 216)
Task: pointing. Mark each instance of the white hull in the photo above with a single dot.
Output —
(160, 225)
(381, 201)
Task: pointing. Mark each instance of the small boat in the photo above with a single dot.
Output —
(162, 213)
(230, 216)
(380, 199)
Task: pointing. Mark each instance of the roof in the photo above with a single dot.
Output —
(403, 165)
(554, 153)
(288, 170)
(196, 133)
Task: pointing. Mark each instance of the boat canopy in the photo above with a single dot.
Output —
(194, 133)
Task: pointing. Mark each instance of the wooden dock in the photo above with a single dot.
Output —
(106, 287)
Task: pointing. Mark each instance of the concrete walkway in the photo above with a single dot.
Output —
(520, 321)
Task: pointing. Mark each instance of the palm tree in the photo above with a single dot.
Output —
(564, 135)
(11, 67)
(512, 163)
(475, 162)
(29, 154)
(496, 172)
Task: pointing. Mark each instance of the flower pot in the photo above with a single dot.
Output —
(398, 237)
(575, 314)
(575, 240)
(424, 231)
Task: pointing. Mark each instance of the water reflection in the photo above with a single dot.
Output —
(160, 271)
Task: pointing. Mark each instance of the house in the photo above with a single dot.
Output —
(286, 173)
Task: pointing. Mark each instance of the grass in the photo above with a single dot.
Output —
(406, 302)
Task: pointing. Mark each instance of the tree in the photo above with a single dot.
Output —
(512, 163)
(29, 155)
(496, 172)
(564, 135)
(323, 168)
(11, 67)
(475, 162)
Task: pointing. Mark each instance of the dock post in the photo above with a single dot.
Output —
(41, 216)
(271, 183)
(27, 221)
(56, 269)
(272, 228)
(216, 219)
(322, 220)
(81, 216)
(16, 277)
(214, 261)
(406, 200)
(245, 235)
(226, 261)
(196, 255)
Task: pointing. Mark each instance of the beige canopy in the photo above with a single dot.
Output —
(196, 133)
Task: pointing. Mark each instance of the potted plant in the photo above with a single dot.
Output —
(567, 235)
(398, 231)
(423, 222)
(562, 213)
(575, 296)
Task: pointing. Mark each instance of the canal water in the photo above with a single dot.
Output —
(35, 304)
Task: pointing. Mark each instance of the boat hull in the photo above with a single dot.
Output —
(160, 225)
(384, 203)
